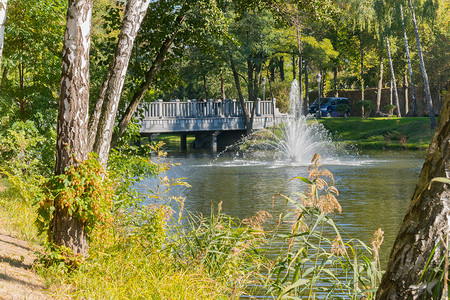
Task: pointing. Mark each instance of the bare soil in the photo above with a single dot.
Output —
(17, 277)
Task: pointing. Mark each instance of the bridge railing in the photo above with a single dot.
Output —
(210, 108)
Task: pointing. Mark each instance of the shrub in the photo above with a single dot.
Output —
(389, 108)
(368, 107)
(343, 108)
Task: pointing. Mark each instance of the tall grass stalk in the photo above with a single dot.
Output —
(316, 260)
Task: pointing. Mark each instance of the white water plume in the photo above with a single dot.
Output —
(295, 140)
(294, 101)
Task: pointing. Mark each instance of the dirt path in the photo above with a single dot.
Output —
(17, 278)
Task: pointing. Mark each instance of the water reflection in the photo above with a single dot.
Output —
(375, 188)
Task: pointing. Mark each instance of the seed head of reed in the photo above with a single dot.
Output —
(338, 247)
(257, 221)
(377, 240)
(320, 193)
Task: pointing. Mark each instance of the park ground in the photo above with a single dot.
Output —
(19, 245)
(366, 134)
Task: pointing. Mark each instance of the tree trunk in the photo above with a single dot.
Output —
(3, 4)
(241, 97)
(294, 67)
(250, 83)
(335, 72)
(113, 84)
(72, 128)
(422, 68)
(300, 85)
(21, 91)
(361, 50)
(139, 95)
(394, 83)
(205, 86)
(281, 65)
(405, 92)
(417, 249)
(306, 101)
(272, 69)
(222, 84)
(380, 84)
(408, 57)
(391, 91)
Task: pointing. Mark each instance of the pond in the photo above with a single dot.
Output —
(375, 188)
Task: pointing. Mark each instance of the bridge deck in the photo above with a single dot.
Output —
(194, 116)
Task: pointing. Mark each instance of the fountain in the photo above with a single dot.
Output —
(296, 140)
(294, 105)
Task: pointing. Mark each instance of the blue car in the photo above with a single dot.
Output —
(328, 107)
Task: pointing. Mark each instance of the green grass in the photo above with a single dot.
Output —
(173, 140)
(381, 133)
(17, 215)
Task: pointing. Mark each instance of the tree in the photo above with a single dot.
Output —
(32, 52)
(362, 17)
(3, 4)
(422, 68)
(394, 82)
(101, 123)
(408, 57)
(72, 128)
(419, 247)
(184, 22)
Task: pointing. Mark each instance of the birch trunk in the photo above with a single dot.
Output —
(112, 86)
(300, 86)
(417, 248)
(361, 50)
(422, 68)
(3, 4)
(72, 128)
(380, 84)
(408, 57)
(222, 84)
(306, 100)
(405, 93)
(394, 83)
(140, 93)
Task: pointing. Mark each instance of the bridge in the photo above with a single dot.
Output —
(214, 123)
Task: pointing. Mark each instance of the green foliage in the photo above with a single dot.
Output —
(227, 249)
(368, 107)
(314, 264)
(343, 108)
(83, 191)
(25, 157)
(389, 108)
(34, 33)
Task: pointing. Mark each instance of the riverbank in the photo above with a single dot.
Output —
(366, 134)
(381, 133)
(18, 280)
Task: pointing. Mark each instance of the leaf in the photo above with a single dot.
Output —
(304, 179)
(296, 284)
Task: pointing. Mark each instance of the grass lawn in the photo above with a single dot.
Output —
(371, 134)
(381, 133)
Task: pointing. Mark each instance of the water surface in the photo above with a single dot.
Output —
(375, 188)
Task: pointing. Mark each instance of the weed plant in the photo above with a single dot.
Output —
(317, 261)
(148, 254)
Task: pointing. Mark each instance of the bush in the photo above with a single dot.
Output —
(343, 108)
(368, 107)
(389, 108)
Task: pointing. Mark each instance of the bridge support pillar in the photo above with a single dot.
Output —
(183, 142)
(214, 141)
